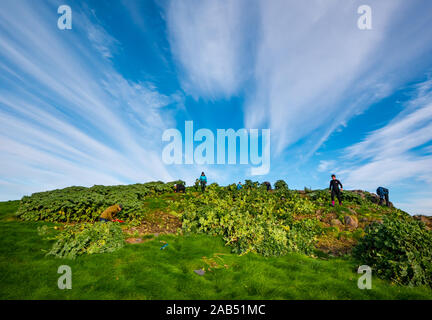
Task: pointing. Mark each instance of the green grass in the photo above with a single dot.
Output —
(143, 271)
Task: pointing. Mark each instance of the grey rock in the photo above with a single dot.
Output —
(351, 222)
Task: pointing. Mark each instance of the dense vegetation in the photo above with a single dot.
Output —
(143, 271)
(250, 220)
(399, 249)
(80, 204)
(86, 238)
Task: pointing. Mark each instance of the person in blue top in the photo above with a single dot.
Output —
(203, 181)
(239, 186)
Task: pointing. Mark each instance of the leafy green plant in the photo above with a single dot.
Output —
(80, 204)
(249, 184)
(252, 220)
(281, 184)
(399, 249)
(303, 235)
(87, 238)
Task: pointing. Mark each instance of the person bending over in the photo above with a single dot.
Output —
(110, 212)
(383, 194)
(335, 191)
(179, 188)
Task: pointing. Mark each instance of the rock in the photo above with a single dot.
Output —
(335, 222)
(351, 222)
(427, 220)
(360, 193)
(374, 198)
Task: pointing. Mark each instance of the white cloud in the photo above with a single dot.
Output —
(309, 68)
(66, 113)
(390, 171)
(102, 41)
(421, 204)
(207, 39)
(326, 165)
(310, 55)
(397, 154)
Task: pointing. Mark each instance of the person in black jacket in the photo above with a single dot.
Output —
(335, 191)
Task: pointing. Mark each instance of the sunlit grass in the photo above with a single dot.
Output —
(144, 271)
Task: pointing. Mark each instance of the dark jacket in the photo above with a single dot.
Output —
(334, 185)
(180, 188)
(381, 191)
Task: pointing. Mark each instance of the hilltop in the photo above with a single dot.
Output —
(224, 231)
(153, 208)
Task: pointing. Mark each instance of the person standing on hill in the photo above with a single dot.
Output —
(335, 191)
(203, 181)
(383, 193)
(239, 186)
(110, 212)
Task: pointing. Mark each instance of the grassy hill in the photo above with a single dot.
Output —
(252, 244)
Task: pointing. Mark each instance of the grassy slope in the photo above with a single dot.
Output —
(143, 271)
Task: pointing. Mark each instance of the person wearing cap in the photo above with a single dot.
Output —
(110, 212)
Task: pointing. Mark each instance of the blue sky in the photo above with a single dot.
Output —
(89, 105)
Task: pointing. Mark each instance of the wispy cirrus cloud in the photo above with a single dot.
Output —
(315, 69)
(66, 112)
(75, 108)
(209, 41)
(398, 153)
(310, 69)
(101, 40)
(326, 165)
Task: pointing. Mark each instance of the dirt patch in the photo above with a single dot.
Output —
(156, 223)
(326, 219)
(336, 247)
(427, 220)
(299, 217)
(135, 240)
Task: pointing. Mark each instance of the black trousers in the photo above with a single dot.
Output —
(386, 196)
(203, 185)
(336, 193)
